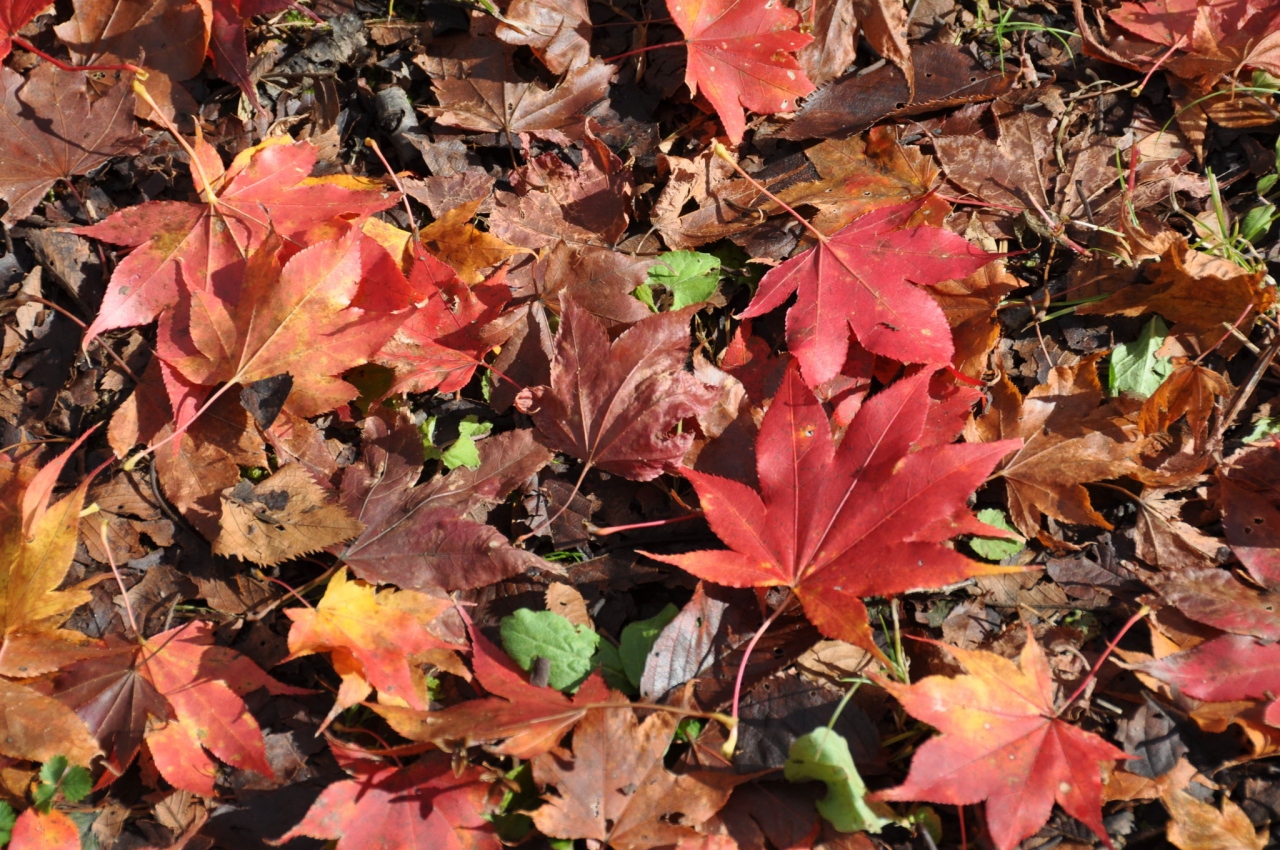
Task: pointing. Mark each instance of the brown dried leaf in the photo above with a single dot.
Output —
(36, 727)
(616, 790)
(280, 518)
(1190, 391)
(558, 31)
(51, 130)
(1070, 437)
(1194, 825)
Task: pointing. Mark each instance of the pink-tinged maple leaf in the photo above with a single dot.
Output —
(426, 805)
(1250, 487)
(1229, 667)
(834, 523)
(741, 54)
(1002, 741)
(14, 15)
(266, 188)
(862, 278)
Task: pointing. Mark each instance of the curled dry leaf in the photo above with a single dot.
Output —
(558, 31)
(281, 517)
(1002, 741)
(1195, 825)
(52, 129)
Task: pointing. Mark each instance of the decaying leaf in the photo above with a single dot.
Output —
(281, 517)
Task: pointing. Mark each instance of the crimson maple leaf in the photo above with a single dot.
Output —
(861, 278)
(266, 188)
(14, 15)
(834, 523)
(427, 804)
(739, 56)
(532, 720)
(1002, 742)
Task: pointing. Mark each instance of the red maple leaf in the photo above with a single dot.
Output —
(739, 56)
(264, 189)
(861, 278)
(1002, 742)
(14, 15)
(427, 804)
(834, 523)
(180, 677)
(532, 720)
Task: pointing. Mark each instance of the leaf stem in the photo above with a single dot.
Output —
(58, 63)
(124, 593)
(731, 743)
(617, 529)
(1138, 615)
(638, 51)
(181, 429)
(723, 152)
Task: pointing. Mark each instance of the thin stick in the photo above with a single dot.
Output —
(128, 606)
(586, 467)
(404, 197)
(1177, 44)
(23, 298)
(1141, 612)
(731, 742)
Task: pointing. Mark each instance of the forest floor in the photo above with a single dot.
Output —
(691, 424)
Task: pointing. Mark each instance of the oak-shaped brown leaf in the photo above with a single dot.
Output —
(265, 188)
(374, 639)
(181, 693)
(281, 517)
(528, 720)
(314, 314)
(478, 89)
(615, 789)
(620, 406)
(455, 240)
(37, 544)
(51, 129)
(1002, 741)
(433, 537)
(558, 31)
(1071, 436)
(1195, 293)
(428, 804)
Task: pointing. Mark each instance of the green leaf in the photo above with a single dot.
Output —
(637, 641)
(1264, 428)
(463, 450)
(527, 635)
(645, 295)
(1135, 368)
(823, 756)
(610, 664)
(997, 548)
(8, 817)
(76, 784)
(690, 276)
(52, 770)
(1257, 222)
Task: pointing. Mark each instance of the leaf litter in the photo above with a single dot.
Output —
(684, 424)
